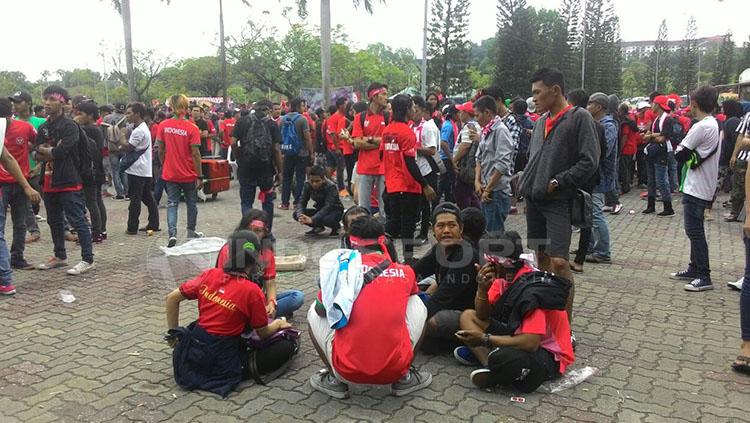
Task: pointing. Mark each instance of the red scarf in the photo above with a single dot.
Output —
(552, 121)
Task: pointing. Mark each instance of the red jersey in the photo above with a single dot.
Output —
(643, 123)
(370, 161)
(19, 135)
(267, 259)
(399, 142)
(227, 127)
(632, 138)
(226, 303)
(374, 347)
(552, 325)
(333, 127)
(178, 136)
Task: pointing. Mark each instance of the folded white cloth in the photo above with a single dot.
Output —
(196, 246)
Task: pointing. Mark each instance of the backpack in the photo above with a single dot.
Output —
(112, 134)
(678, 132)
(256, 147)
(291, 144)
(85, 160)
(467, 165)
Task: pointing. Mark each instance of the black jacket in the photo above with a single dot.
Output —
(326, 199)
(63, 135)
(455, 274)
(534, 290)
(95, 151)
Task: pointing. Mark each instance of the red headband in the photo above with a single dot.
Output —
(372, 93)
(356, 241)
(258, 224)
(57, 96)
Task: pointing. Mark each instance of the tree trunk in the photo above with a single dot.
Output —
(128, 50)
(325, 49)
(424, 52)
(223, 56)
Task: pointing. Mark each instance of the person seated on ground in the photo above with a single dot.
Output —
(384, 327)
(452, 260)
(283, 303)
(328, 208)
(475, 225)
(519, 331)
(351, 214)
(209, 354)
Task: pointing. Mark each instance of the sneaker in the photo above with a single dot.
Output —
(283, 206)
(146, 229)
(731, 217)
(683, 275)
(40, 218)
(413, 381)
(104, 236)
(21, 265)
(52, 263)
(607, 209)
(593, 258)
(316, 230)
(666, 213)
(172, 242)
(131, 232)
(97, 239)
(329, 384)
(334, 232)
(194, 234)
(344, 194)
(736, 285)
(119, 197)
(81, 268)
(7, 289)
(573, 340)
(482, 378)
(698, 285)
(513, 210)
(464, 356)
(617, 208)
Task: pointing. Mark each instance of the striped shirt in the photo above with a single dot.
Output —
(515, 134)
(744, 128)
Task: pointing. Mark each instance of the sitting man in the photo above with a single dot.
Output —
(376, 344)
(519, 331)
(452, 260)
(328, 208)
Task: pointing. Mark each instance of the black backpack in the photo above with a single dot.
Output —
(678, 132)
(256, 147)
(85, 161)
(467, 165)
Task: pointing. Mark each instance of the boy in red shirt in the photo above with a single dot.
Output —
(226, 127)
(179, 144)
(336, 146)
(538, 349)
(367, 134)
(385, 326)
(404, 182)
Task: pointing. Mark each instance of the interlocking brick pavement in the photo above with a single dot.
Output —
(663, 354)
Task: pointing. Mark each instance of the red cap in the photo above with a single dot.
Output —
(663, 102)
(467, 107)
(676, 99)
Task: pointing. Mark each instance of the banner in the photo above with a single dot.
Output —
(314, 96)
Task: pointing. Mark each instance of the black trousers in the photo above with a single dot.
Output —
(447, 180)
(139, 190)
(350, 160)
(329, 220)
(97, 210)
(402, 212)
(427, 207)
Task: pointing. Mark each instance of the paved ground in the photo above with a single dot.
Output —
(663, 354)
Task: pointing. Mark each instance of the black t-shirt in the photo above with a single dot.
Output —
(457, 285)
(255, 175)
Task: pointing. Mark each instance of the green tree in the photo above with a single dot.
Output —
(724, 68)
(147, 68)
(603, 53)
(12, 81)
(685, 73)
(636, 79)
(660, 56)
(202, 75)
(570, 14)
(448, 51)
(514, 55)
(551, 40)
(743, 59)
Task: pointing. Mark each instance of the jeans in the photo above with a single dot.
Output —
(14, 197)
(693, 210)
(288, 302)
(365, 185)
(158, 185)
(95, 205)
(139, 190)
(403, 214)
(33, 209)
(745, 295)
(447, 181)
(118, 177)
(247, 198)
(496, 211)
(294, 167)
(600, 230)
(331, 219)
(70, 206)
(173, 200)
(6, 273)
(658, 177)
(674, 183)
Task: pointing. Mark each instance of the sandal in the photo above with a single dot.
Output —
(742, 364)
(578, 268)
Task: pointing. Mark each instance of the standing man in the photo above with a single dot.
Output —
(657, 158)
(698, 152)
(59, 144)
(449, 133)
(368, 136)
(22, 105)
(179, 143)
(140, 172)
(296, 146)
(428, 136)
(494, 165)
(335, 144)
(203, 126)
(464, 157)
(225, 131)
(507, 117)
(563, 155)
(597, 106)
(117, 121)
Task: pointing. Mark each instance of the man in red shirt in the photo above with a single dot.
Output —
(643, 121)
(179, 144)
(225, 131)
(404, 182)
(376, 346)
(367, 133)
(335, 144)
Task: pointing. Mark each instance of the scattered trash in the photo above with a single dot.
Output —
(174, 395)
(520, 400)
(631, 212)
(66, 296)
(121, 244)
(148, 363)
(569, 379)
(136, 353)
(149, 232)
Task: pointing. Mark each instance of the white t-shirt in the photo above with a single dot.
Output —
(463, 136)
(428, 135)
(140, 139)
(703, 138)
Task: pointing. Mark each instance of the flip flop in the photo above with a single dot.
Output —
(743, 366)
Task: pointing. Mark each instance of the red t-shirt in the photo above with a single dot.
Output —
(267, 259)
(347, 148)
(632, 139)
(310, 122)
(370, 161)
(331, 128)
(19, 135)
(374, 347)
(227, 126)
(552, 325)
(178, 137)
(551, 121)
(399, 141)
(226, 303)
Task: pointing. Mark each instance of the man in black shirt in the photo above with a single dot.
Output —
(328, 209)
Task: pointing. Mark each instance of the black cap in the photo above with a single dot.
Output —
(120, 107)
(446, 207)
(19, 96)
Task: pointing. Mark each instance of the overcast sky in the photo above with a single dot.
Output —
(54, 34)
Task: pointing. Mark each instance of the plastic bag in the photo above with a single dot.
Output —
(66, 296)
(569, 379)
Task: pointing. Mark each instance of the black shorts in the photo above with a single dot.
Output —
(331, 159)
(548, 227)
(523, 370)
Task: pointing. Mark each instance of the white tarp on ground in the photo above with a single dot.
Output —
(196, 246)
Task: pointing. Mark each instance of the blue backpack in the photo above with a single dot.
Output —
(291, 143)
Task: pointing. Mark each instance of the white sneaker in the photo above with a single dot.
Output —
(736, 285)
(80, 268)
(194, 234)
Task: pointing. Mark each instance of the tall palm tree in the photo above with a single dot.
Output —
(123, 8)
